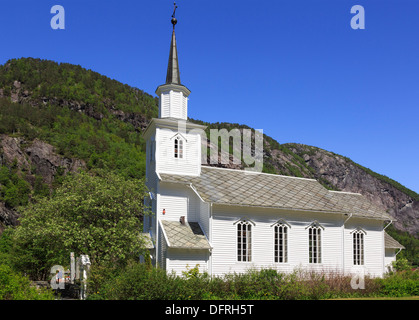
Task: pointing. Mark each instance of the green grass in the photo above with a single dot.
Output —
(380, 298)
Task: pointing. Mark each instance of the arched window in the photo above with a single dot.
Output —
(281, 242)
(358, 246)
(244, 241)
(315, 242)
(178, 148)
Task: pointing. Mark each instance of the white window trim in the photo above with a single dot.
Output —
(284, 224)
(315, 258)
(252, 224)
(182, 142)
(179, 137)
(358, 261)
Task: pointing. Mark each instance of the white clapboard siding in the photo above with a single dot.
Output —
(180, 260)
(173, 104)
(176, 104)
(165, 160)
(390, 256)
(204, 218)
(162, 249)
(184, 114)
(151, 176)
(149, 224)
(164, 105)
(178, 200)
(224, 239)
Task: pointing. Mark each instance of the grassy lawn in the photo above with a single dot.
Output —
(382, 298)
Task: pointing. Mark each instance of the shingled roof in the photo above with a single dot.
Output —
(357, 204)
(184, 236)
(391, 243)
(243, 188)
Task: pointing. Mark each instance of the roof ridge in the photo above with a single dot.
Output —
(346, 192)
(256, 173)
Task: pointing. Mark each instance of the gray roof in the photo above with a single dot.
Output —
(358, 205)
(184, 236)
(391, 243)
(148, 243)
(242, 188)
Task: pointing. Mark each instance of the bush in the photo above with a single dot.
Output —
(400, 284)
(135, 282)
(401, 264)
(139, 281)
(14, 286)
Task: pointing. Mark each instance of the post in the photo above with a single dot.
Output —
(72, 268)
(84, 262)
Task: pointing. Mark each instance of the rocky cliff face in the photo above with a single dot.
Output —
(8, 217)
(345, 175)
(32, 158)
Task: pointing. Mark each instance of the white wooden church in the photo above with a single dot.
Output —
(229, 221)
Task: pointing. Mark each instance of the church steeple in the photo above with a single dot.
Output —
(173, 95)
(173, 74)
(173, 142)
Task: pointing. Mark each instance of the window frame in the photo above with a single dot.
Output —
(358, 247)
(178, 148)
(247, 256)
(276, 241)
(315, 243)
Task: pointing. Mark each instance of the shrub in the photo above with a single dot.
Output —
(139, 281)
(400, 284)
(14, 286)
(401, 264)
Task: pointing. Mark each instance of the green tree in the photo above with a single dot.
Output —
(96, 214)
(14, 190)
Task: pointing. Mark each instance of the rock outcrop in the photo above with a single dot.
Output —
(32, 158)
(345, 175)
(46, 161)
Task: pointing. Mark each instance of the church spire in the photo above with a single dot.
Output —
(173, 96)
(173, 74)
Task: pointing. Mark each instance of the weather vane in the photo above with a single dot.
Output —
(174, 21)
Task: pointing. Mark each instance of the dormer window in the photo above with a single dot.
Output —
(178, 148)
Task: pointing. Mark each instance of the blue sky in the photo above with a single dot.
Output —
(294, 68)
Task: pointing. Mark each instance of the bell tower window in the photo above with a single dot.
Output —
(178, 148)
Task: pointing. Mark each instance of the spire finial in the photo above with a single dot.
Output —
(174, 20)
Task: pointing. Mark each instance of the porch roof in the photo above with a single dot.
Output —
(184, 236)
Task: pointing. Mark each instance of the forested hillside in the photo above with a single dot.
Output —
(57, 118)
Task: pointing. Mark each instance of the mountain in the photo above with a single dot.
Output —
(56, 118)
